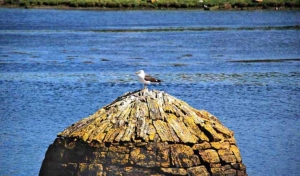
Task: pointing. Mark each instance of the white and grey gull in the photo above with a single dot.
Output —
(146, 79)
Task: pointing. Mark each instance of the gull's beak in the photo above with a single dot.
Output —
(136, 72)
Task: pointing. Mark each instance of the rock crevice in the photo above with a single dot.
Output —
(145, 133)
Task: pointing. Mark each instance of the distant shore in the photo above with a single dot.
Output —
(153, 4)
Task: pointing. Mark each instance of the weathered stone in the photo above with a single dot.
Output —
(174, 171)
(230, 172)
(197, 171)
(117, 158)
(222, 129)
(145, 133)
(242, 167)
(216, 171)
(98, 157)
(224, 170)
(119, 149)
(209, 156)
(202, 146)
(143, 157)
(195, 160)
(236, 153)
(214, 136)
(183, 156)
(194, 129)
(128, 171)
(163, 131)
(226, 167)
(231, 140)
(90, 169)
(151, 132)
(181, 130)
(227, 156)
(215, 165)
(220, 145)
(163, 153)
(240, 173)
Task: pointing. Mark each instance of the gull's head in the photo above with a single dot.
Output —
(140, 72)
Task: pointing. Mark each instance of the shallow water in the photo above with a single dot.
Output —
(57, 67)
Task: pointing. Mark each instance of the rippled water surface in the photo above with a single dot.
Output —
(57, 67)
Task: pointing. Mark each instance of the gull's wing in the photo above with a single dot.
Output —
(151, 79)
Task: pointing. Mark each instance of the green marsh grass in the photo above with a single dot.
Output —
(158, 4)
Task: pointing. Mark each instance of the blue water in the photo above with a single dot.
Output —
(59, 66)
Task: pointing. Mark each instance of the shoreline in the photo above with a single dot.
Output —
(213, 8)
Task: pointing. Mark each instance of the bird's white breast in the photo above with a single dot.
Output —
(141, 78)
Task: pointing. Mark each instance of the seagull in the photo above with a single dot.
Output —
(146, 79)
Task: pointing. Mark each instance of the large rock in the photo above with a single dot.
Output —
(145, 133)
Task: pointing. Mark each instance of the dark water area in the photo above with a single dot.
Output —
(58, 66)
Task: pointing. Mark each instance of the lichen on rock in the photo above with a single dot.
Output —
(145, 133)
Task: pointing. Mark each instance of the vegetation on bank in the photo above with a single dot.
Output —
(157, 4)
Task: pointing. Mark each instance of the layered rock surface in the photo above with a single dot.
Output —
(145, 133)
